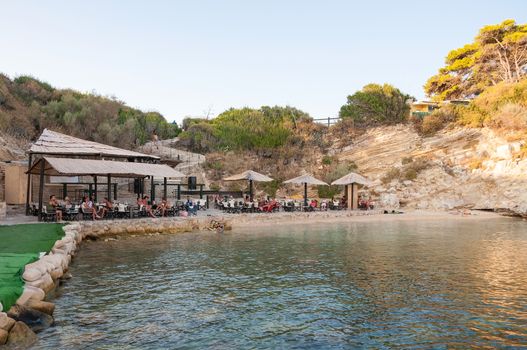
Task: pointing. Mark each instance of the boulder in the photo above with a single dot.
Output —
(31, 293)
(3, 336)
(42, 306)
(45, 283)
(31, 274)
(35, 319)
(56, 273)
(21, 336)
(6, 322)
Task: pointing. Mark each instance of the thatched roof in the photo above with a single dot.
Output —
(54, 143)
(249, 175)
(305, 179)
(350, 179)
(91, 167)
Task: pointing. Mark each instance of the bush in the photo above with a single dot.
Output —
(392, 174)
(407, 160)
(499, 106)
(437, 120)
(327, 160)
(511, 117)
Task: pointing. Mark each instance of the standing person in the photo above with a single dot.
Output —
(55, 205)
(155, 139)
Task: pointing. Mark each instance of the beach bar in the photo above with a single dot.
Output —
(69, 163)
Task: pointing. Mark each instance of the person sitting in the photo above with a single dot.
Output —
(67, 203)
(191, 207)
(324, 205)
(164, 206)
(55, 205)
(107, 206)
(88, 208)
(148, 207)
(312, 205)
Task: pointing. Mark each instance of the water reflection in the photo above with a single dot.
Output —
(384, 285)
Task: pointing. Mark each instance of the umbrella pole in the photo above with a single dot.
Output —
(251, 190)
(305, 194)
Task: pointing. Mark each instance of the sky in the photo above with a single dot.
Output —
(199, 57)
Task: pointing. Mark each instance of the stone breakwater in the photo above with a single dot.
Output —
(33, 312)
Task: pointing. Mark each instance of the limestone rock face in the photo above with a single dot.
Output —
(467, 168)
(389, 201)
(21, 336)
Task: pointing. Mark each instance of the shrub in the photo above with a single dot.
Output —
(392, 174)
(407, 160)
(437, 120)
(511, 117)
(327, 160)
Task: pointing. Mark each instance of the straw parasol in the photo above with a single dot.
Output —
(249, 175)
(306, 179)
(352, 179)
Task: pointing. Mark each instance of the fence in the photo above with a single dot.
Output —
(328, 121)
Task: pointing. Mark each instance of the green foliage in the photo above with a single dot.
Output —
(86, 116)
(327, 160)
(376, 105)
(337, 171)
(498, 54)
(270, 187)
(242, 129)
(500, 106)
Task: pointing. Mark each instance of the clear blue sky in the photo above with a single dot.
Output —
(182, 58)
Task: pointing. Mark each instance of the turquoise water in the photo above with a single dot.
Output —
(433, 284)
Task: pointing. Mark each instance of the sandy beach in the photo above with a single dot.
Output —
(250, 220)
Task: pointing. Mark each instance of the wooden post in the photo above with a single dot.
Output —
(109, 187)
(305, 194)
(64, 190)
(95, 186)
(251, 190)
(349, 196)
(152, 189)
(165, 187)
(200, 191)
(41, 189)
(115, 191)
(355, 191)
(28, 190)
(178, 192)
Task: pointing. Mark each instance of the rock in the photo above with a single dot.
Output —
(21, 336)
(42, 306)
(31, 293)
(3, 336)
(31, 274)
(35, 319)
(6, 322)
(56, 273)
(389, 201)
(67, 276)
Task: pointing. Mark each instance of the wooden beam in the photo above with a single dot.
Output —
(41, 192)
(28, 189)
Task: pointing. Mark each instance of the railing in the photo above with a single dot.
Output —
(328, 121)
(420, 114)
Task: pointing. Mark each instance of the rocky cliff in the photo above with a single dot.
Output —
(457, 168)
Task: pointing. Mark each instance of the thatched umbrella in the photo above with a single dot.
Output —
(306, 179)
(251, 176)
(351, 179)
